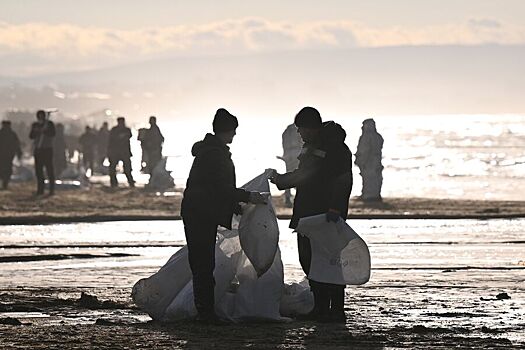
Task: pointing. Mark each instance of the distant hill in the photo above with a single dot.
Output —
(393, 80)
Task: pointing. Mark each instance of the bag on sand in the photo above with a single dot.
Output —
(241, 290)
(258, 228)
(339, 255)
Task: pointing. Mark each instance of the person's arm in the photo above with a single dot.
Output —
(35, 131)
(308, 168)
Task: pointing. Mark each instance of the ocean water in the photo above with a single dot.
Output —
(449, 156)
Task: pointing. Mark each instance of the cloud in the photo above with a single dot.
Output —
(72, 47)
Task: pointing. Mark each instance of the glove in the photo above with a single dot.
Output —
(332, 216)
(272, 173)
(257, 198)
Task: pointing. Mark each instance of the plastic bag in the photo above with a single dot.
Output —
(339, 255)
(297, 299)
(258, 228)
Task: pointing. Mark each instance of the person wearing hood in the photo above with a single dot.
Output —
(323, 182)
(368, 159)
(10, 146)
(210, 200)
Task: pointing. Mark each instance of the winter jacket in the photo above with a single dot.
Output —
(42, 134)
(323, 179)
(9, 144)
(211, 191)
(118, 142)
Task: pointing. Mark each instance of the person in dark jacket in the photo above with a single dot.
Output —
(323, 182)
(153, 144)
(43, 133)
(10, 146)
(59, 150)
(88, 143)
(119, 149)
(210, 199)
(102, 145)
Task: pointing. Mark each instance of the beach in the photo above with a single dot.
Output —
(453, 279)
(102, 203)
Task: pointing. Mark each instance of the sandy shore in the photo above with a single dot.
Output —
(438, 285)
(18, 205)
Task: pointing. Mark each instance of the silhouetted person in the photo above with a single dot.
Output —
(42, 133)
(368, 159)
(323, 181)
(9, 147)
(210, 199)
(153, 144)
(292, 145)
(141, 137)
(119, 150)
(59, 150)
(102, 144)
(88, 143)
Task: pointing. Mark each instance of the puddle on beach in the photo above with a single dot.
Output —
(429, 276)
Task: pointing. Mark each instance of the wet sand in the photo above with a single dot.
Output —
(101, 203)
(437, 285)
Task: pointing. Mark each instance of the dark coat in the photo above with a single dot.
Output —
(118, 142)
(211, 191)
(9, 144)
(42, 134)
(324, 177)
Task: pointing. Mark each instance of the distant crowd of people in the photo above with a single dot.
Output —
(53, 151)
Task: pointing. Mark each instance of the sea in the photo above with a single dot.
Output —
(437, 156)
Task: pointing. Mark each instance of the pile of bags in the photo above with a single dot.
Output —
(249, 272)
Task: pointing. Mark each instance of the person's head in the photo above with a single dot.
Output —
(105, 125)
(6, 124)
(41, 115)
(309, 123)
(153, 120)
(121, 121)
(88, 129)
(225, 125)
(369, 125)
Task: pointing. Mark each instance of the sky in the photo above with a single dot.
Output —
(374, 56)
(48, 36)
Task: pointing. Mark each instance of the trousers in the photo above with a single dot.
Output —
(44, 159)
(200, 238)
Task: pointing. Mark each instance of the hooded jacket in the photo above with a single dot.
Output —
(211, 191)
(323, 179)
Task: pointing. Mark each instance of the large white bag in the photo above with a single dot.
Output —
(258, 228)
(155, 293)
(339, 255)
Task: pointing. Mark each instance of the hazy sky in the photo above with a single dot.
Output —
(47, 36)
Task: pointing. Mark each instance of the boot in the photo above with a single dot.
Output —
(337, 304)
(321, 303)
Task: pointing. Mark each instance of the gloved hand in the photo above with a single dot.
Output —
(332, 215)
(257, 198)
(272, 173)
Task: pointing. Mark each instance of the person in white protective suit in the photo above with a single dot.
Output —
(292, 145)
(368, 159)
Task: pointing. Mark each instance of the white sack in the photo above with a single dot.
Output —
(155, 293)
(339, 255)
(297, 299)
(258, 228)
